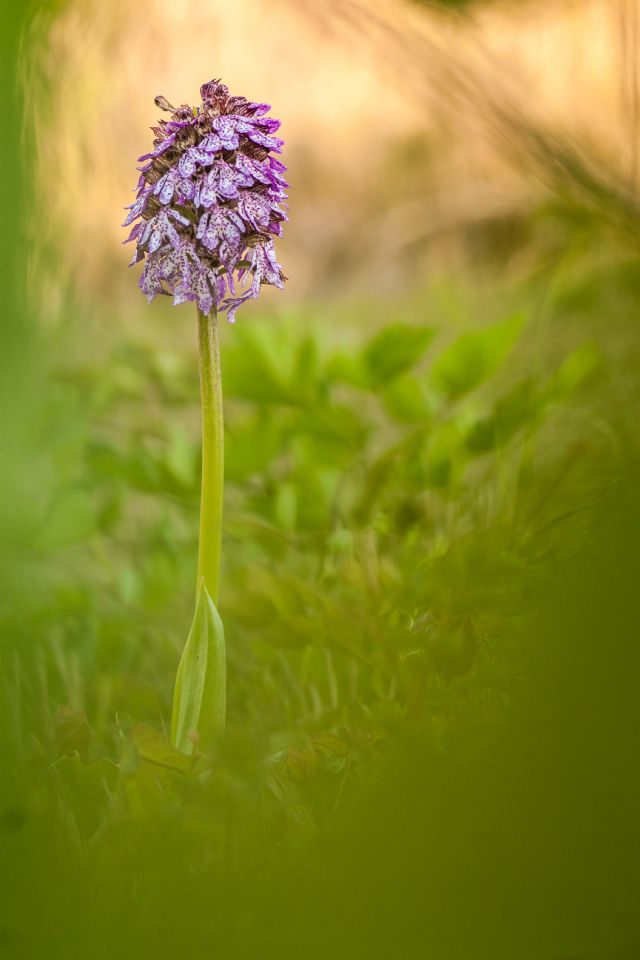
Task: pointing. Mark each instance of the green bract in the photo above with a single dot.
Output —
(199, 699)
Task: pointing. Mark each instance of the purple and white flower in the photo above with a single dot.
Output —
(210, 202)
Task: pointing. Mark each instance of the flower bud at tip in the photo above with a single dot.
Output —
(163, 103)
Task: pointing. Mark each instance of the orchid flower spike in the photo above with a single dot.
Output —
(211, 198)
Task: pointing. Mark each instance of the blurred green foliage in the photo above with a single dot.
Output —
(404, 499)
(354, 472)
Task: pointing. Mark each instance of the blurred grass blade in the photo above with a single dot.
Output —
(200, 698)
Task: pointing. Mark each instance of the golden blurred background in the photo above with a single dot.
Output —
(406, 125)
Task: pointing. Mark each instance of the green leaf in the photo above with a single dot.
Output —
(200, 698)
(407, 401)
(578, 367)
(473, 357)
(346, 366)
(517, 408)
(394, 350)
(329, 434)
(252, 373)
(153, 747)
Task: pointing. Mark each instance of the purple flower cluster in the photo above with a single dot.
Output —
(209, 203)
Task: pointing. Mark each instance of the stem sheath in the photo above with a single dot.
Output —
(210, 541)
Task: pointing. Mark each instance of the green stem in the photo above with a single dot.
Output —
(210, 542)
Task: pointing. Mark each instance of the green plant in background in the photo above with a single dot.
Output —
(208, 206)
(394, 498)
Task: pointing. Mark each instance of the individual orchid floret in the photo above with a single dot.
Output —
(210, 201)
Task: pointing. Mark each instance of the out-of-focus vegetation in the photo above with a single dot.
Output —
(429, 597)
